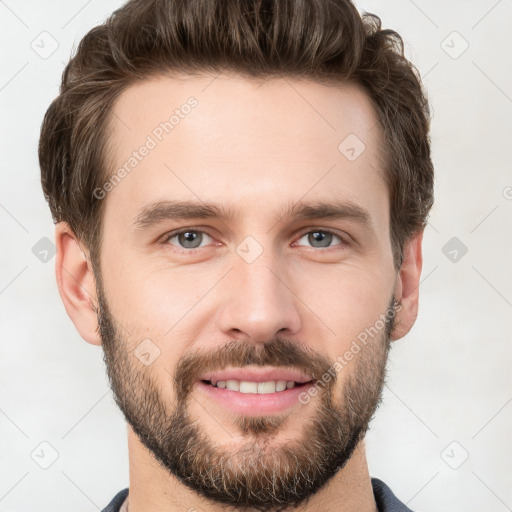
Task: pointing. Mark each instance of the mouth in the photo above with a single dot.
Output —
(261, 388)
(255, 391)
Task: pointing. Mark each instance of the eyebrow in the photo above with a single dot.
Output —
(156, 212)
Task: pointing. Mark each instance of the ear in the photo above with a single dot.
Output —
(407, 286)
(76, 283)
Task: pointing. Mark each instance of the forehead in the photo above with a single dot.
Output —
(239, 142)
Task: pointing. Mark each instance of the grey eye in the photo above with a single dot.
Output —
(320, 239)
(188, 239)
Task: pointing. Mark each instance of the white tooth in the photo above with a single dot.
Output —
(280, 385)
(233, 385)
(244, 386)
(267, 387)
(248, 387)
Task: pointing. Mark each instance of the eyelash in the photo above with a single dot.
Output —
(173, 234)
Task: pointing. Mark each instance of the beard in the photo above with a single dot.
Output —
(258, 474)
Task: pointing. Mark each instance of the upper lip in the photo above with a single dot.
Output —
(257, 374)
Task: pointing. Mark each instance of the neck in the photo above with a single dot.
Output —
(153, 489)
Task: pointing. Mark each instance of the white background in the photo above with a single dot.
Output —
(449, 393)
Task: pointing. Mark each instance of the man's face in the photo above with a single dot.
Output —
(275, 292)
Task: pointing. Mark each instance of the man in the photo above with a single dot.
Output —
(240, 191)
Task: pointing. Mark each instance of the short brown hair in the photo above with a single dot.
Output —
(324, 40)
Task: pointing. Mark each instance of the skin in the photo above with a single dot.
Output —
(257, 148)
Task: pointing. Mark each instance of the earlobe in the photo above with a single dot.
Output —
(407, 287)
(76, 283)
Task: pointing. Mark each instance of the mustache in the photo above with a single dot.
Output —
(238, 353)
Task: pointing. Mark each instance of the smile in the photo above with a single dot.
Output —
(245, 386)
(254, 391)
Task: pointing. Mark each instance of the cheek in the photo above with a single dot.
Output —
(347, 299)
(350, 305)
(159, 313)
(144, 301)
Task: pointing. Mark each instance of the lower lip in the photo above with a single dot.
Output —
(254, 404)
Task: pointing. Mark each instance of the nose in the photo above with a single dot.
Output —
(259, 301)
